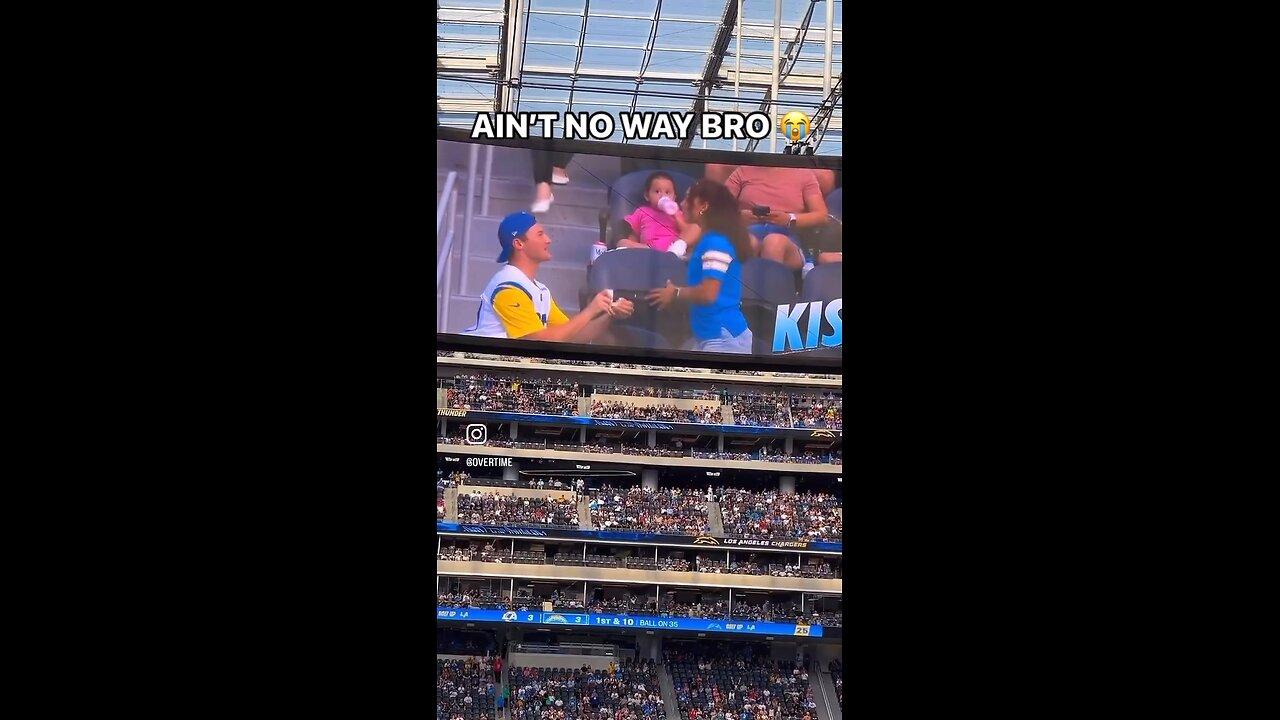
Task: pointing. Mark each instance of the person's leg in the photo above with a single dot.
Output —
(543, 163)
(830, 257)
(727, 343)
(780, 248)
(560, 161)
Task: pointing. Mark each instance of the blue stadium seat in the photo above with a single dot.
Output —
(627, 193)
(765, 285)
(824, 282)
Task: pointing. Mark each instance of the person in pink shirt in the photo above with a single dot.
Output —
(659, 225)
(793, 197)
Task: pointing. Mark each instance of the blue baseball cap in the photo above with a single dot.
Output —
(512, 227)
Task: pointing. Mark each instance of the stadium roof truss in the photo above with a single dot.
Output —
(611, 56)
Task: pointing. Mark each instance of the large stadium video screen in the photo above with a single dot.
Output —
(627, 256)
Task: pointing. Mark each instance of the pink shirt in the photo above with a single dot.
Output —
(654, 227)
(780, 189)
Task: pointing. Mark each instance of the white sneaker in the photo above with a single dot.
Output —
(559, 177)
(541, 206)
(805, 270)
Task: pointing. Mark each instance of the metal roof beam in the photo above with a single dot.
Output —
(793, 48)
(648, 55)
(719, 47)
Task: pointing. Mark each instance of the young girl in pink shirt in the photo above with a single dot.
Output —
(660, 224)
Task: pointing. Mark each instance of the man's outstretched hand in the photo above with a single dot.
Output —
(622, 309)
(604, 304)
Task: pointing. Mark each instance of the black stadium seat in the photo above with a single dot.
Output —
(635, 271)
(765, 285)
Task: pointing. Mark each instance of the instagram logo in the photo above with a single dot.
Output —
(477, 435)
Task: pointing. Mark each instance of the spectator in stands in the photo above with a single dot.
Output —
(815, 411)
(714, 286)
(479, 507)
(548, 170)
(659, 225)
(515, 305)
(464, 688)
(708, 455)
(795, 203)
(657, 392)
(761, 409)
(672, 512)
(651, 451)
(511, 394)
(700, 414)
(771, 514)
(632, 366)
(738, 681)
(627, 691)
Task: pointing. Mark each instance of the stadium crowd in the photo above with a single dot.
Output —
(754, 566)
(702, 414)
(465, 689)
(817, 411)
(711, 455)
(714, 610)
(584, 363)
(808, 458)
(761, 409)
(472, 599)
(785, 612)
(772, 514)
(477, 552)
(669, 512)
(478, 507)
(651, 451)
(738, 682)
(508, 394)
(493, 442)
(626, 691)
(652, 392)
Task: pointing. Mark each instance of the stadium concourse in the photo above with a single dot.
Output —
(624, 542)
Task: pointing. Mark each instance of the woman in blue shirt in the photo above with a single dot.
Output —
(714, 289)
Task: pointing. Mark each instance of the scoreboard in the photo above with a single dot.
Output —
(645, 622)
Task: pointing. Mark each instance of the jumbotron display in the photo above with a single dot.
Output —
(648, 255)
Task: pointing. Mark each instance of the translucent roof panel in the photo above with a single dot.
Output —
(615, 55)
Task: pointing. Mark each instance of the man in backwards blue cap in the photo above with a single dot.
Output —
(515, 305)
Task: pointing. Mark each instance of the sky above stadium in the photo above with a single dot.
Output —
(619, 55)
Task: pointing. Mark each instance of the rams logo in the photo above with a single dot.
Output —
(802, 630)
(559, 619)
(705, 540)
(509, 616)
(822, 433)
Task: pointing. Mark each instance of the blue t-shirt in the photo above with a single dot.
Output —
(713, 257)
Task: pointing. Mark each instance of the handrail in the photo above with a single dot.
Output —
(449, 205)
(817, 673)
(442, 204)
